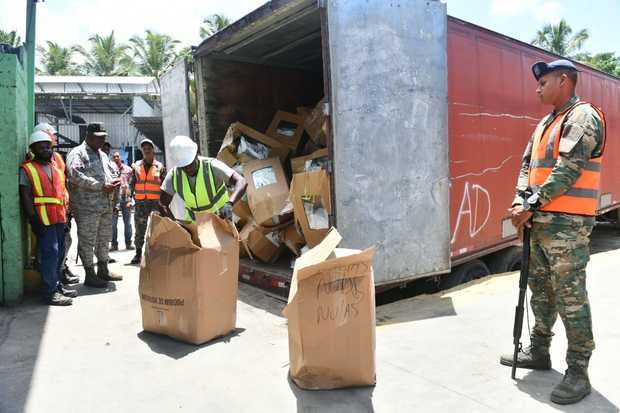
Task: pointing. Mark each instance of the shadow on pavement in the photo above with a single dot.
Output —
(539, 384)
(258, 298)
(354, 400)
(417, 308)
(84, 290)
(177, 349)
(21, 331)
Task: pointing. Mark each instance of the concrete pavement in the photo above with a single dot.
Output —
(435, 353)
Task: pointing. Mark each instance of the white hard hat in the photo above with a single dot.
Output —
(40, 136)
(183, 151)
(45, 127)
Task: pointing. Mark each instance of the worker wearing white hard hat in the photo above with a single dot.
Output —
(200, 181)
(42, 191)
(67, 277)
(147, 177)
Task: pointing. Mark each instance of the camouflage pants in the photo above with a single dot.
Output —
(558, 258)
(94, 231)
(141, 217)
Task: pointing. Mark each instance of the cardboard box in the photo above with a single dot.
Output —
(311, 198)
(293, 239)
(268, 192)
(189, 277)
(260, 243)
(316, 124)
(300, 164)
(228, 150)
(242, 210)
(331, 317)
(287, 128)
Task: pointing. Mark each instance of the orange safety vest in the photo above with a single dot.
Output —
(49, 195)
(147, 184)
(582, 198)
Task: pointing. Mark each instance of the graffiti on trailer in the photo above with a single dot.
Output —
(476, 204)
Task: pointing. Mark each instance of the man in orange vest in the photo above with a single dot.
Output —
(43, 197)
(148, 175)
(561, 170)
(67, 277)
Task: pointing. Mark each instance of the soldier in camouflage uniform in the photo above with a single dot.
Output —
(561, 170)
(148, 174)
(92, 188)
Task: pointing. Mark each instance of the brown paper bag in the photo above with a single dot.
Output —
(189, 277)
(331, 317)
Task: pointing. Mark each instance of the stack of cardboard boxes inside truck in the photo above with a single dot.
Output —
(288, 198)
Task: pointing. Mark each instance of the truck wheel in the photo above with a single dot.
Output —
(464, 273)
(507, 260)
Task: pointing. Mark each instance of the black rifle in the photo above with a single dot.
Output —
(517, 329)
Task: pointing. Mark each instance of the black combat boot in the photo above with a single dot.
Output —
(104, 273)
(138, 257)
(535, 358)
(574, 387)
(68, 277)
(66, 292)
(92, 280)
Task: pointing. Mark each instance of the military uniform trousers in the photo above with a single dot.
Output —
(557, 278)
(143, 210)
(94, 230)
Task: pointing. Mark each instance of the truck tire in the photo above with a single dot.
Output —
(464, 273)
(507, 260)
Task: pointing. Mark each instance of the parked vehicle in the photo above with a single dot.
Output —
(429, 118)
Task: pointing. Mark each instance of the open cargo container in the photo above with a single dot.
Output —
(429, 117)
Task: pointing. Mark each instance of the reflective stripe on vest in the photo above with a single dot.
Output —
(582, 198)
(49, 196)
(147, 185)
(206, 196)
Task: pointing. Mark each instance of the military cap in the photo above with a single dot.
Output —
(96, 129)
(539, 69)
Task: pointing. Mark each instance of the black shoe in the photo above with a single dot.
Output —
(574, 387)
(68, 271)
(67, 293)
(137, 258)
(104, 273)
(114, 247)
(69, 279)
(92, 280)
(530, 358)
(129, 247)
(58, 299)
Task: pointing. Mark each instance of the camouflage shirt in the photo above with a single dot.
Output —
(87, 171)
(581, 140)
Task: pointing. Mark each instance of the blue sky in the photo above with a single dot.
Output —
(522, 18)
(72, 21)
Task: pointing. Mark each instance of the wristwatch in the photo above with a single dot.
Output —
(532, 203)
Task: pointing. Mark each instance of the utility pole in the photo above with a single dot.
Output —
(31, 19)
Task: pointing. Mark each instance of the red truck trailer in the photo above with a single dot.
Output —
(429, 118)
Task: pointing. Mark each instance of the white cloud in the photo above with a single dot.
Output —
(73, 21)
(541, 10)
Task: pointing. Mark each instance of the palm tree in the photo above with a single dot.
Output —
(57, 60)
(106, 57)
(10, 38)
(155, 53)
(213, 24)
(606, 62)
(558, 38)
